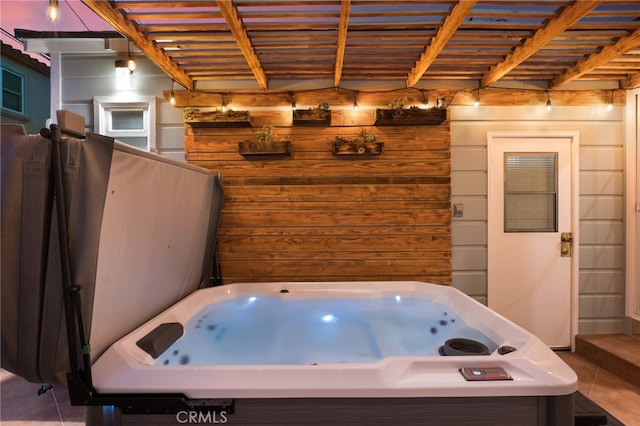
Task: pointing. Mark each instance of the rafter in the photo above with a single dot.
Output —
(115, 18)
(569, 16)
(595, 60)
(449, 27)
(236, 27)
(631, 82)
(345, 7)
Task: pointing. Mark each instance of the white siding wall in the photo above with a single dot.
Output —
(87, 76)
(601, 286)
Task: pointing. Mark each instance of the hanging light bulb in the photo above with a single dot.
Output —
(610, 104)
(293, 106)
(355, 106)
(476, 104)
(172, 97)
(223, 108)
(53, 11)
(131, 63)
(548, 101)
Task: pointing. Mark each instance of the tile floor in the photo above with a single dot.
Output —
(20, 404)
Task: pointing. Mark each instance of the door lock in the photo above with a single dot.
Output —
(566, 244)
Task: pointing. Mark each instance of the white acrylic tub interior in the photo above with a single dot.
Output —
(366, 363)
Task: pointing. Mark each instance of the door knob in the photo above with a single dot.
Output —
(566, 240)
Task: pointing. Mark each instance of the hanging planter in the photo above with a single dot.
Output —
(195, 118)
(319, 116)
(265, 146)
(410, 117)
(396, 114)
(366, 144)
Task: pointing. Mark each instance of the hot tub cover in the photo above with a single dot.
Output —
(142, 230)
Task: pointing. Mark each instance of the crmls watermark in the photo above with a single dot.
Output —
(201, 417)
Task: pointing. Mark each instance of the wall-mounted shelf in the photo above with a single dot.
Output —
(220, 119)
(312, 117)
(410, 117)
(258, 150)
(347, 148)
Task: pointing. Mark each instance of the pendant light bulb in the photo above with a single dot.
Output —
(53, 11)
(610, 104)
(131, 63)
(355, 106)
(172, 97)
(548, 101)
(476, 104)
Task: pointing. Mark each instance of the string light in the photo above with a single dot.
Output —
(131, 63)
(610, 104)
(53, 11)
(548, 101)
(172, 97)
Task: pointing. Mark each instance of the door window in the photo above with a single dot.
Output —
(530, 192)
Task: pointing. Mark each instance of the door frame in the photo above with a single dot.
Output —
(573, 136)
(632, 126)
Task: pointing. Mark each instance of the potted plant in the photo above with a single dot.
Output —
(265, 144)
(397, 114)
(318, 116)
(365, 144)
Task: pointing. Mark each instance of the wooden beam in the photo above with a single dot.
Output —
(448, 28)
(236, 26)
(345, 7)
(569, 16)
(595, 60)
(119, 22)
(632, 82)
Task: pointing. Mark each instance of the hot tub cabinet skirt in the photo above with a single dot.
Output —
(512, 411)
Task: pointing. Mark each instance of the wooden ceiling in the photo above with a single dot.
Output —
(343, 41)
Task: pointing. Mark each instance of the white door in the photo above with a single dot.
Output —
(532, 199)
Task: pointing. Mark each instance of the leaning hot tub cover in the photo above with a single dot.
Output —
(119, 202)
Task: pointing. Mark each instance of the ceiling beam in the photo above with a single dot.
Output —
(345, 7)
(449, 27)
(632, 82)
(230, 14)
(119, 22)
(569, 16)
(595, 60)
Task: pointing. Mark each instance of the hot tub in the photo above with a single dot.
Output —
(288, 343)
(138, 323)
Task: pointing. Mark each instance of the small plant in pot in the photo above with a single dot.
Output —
(365, 143)
(319, 115)
(265, 143)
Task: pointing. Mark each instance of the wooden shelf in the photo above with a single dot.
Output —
(220, 119)
(410, 117)
(258, 150)
(312, 117)
(376, 148)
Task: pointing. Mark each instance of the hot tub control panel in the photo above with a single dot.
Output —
(482, 374)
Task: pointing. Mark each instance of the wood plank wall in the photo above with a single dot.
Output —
(317, 217)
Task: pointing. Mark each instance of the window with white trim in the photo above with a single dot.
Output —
(12, 91)
(130, 121)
